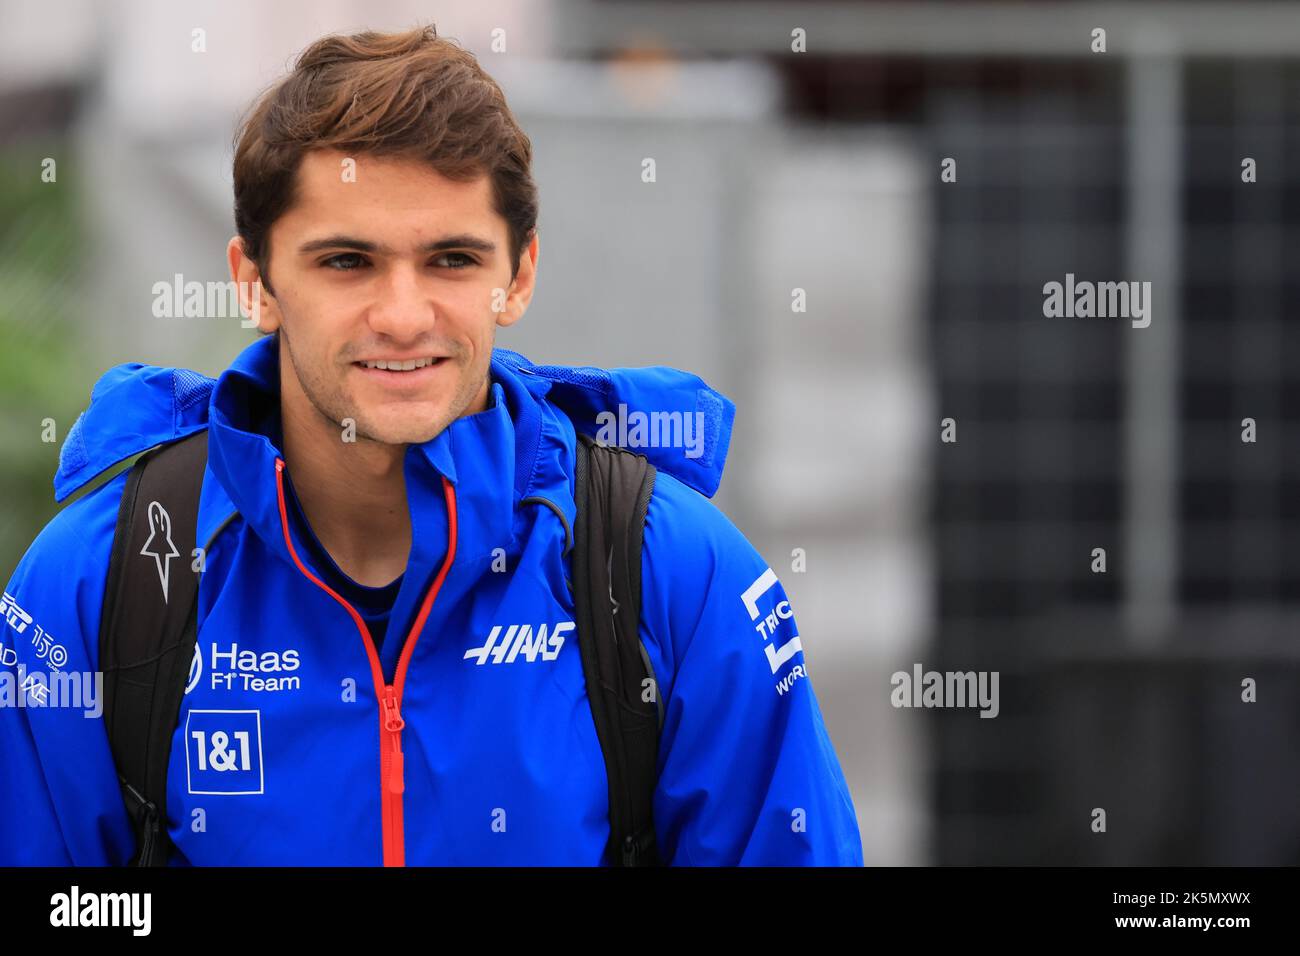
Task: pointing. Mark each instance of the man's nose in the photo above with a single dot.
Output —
(404, 308)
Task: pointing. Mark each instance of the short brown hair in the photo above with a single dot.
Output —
(410, 94)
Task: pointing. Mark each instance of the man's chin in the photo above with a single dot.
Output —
(403, 430)
(408, 436)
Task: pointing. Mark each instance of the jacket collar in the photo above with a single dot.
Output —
(489, 458)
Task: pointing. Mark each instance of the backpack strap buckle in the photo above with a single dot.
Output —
(146, 820)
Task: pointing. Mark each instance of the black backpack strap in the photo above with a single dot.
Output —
(147, 629)
(613, 489)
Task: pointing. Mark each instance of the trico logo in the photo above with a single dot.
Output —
(767, 626)
(229, 668)
(521, 638)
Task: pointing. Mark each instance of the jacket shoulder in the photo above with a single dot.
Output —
(82, 529)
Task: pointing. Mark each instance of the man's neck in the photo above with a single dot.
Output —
(353, 495)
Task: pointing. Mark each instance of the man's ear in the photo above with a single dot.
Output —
(254, 298)
(521, 289)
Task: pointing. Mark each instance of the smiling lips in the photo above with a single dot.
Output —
(400, 365)
(407, 376)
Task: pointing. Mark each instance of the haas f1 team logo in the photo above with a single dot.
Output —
(159, 546)
(767, 626)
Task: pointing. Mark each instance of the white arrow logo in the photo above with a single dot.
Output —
(160, 524)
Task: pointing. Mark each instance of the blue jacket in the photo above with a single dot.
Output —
(285, 748)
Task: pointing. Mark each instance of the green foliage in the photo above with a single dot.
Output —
(42, 367)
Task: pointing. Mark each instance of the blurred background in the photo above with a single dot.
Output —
(820, 170)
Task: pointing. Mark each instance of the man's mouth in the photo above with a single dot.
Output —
(408, 376)
(400, 365)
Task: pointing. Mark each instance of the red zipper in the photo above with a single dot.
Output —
(392, 774)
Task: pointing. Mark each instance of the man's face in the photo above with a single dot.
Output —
(395, 265)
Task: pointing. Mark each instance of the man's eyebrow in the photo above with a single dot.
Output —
(462, 241)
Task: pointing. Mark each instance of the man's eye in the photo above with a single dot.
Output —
(345, 262)
(461, 260)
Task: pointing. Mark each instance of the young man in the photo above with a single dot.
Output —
(386, 668)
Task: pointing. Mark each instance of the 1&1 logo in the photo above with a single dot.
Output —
(223, 752)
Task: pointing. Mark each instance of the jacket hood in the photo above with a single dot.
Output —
(134, 407)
